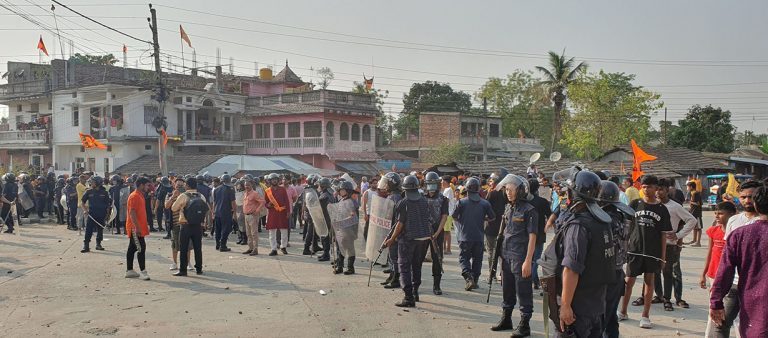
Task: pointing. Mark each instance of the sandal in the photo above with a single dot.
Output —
(638, 302)
(668, 306)
(683, 304)
(656, 300)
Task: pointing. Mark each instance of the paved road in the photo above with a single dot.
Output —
(48, 288)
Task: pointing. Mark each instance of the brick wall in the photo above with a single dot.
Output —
(439, 129)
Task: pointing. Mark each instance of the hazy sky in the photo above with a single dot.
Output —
(691, 52)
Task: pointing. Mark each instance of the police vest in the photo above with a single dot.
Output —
(619, 226)
(416, 219)
(435, 206)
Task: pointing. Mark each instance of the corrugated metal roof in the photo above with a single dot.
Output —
(263, 164)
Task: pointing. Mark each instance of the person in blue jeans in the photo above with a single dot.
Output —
(520, 232)
(470, 214)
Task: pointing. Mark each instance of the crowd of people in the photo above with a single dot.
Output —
(608, 232)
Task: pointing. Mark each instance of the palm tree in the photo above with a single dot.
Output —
(560, 74)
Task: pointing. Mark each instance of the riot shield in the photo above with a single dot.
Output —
(25, 200)
(344, 221)
(312, 202)
(379, 225)
(63, 202)
(15, 216)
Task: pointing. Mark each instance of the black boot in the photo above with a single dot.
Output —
(407, 301)
(395, 284)
(338, 266)
(98, 246)
(523, 329)
(415, 294)
(436, 286)
(324, 258)
(85, 248)
(389, 279)
(506, 321)
(350, 266)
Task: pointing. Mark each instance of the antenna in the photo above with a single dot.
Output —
(218, 56)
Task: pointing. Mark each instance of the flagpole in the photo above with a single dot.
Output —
(183, 69)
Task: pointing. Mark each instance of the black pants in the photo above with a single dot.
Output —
(5, 213)
(437, 264)
(612, 296)
(409, 261)
(90, 227)
(310, 239)
(40, 206)
(59, 212)
(159, 215)
(132, 250)
(189, 232)
(72, 216)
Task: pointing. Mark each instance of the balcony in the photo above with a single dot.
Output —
(24, 139)
(208, 139)
(311, 102)
(285, 146)
(27, 88)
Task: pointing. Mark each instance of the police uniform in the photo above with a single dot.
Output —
(615, 289)
(99, 205)
(521, 221)
(412, 243)
(57, 193)
(393, 252)
(71, 192)
(438, 207)
(114, 193)
(310, 240)
(10, 193)
(587, 247)
(326, 197)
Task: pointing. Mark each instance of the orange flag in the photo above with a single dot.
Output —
(90, 142)
(184, 36)
(125, 49)
(41, 46)
(368, 82)
(165, 137)
(639, 156)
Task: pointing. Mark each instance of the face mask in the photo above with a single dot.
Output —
(432, 187)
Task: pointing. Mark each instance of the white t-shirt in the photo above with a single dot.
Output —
(735, 222)
(448, 193)
(676, 214)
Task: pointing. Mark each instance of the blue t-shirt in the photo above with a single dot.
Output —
(522, 220)
(223, 196)
(204, 190)
(470, 217)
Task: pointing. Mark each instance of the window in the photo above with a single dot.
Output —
(279, 131)
(147, 147)
(177, 100)
(106, 165)
(355, 132)
(75, 116)
(367, 133)
(261, 131)
(95, 119)
(19, 108)
(313, 129)
(79, 163)
(329, 129)
(19, 119)
(82, 149)
(227, 126)
(189, 98)
(74, 95)
(469, 129)
(493, 130)
(344, 132)
(117, 117)
(150, 112)
(294, 129)
(246, 131)
(109, 147)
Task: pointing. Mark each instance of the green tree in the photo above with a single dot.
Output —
(103, 60)
(705, 129)
(523, 104)
(608, 110)
(326, 76)
(448, 153)
(429, 96)
(562, 72)
(384, 121)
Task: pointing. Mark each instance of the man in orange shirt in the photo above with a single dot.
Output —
(136, 228)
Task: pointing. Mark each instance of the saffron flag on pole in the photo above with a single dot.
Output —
(639, 156)
(165, 136)
(184, 36)
(732, 189)
(89, 142)
(41, 46)
(125, 49)
(368, 82)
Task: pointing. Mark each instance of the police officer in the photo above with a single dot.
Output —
(413, 224)
(96, 207)
(10, 193)
(517, 250)
(326, 196)
(389, 188)
(204, 189)
(70, 190)
(587, 260)
(116, 185)
(438, 212)
(310, 240)
(161, 192)
(621, 214)
(224, 208)
(57, 208)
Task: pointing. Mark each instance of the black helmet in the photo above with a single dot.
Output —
(225, 179)
(324, 183)
(610, 194)
(472, 185)
(165, 181)
(312, 180)
(72, 180)
(200, 178)
(390, 181)
(9, 177)
(97, 180)
(411, 183)
(585, 185)
(432, 182)
(248, 177)
(347, 186)
(115, 180)
(60, 182)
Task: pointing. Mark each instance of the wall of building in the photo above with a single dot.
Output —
(11, 159)
(439, 129)
(118, 155)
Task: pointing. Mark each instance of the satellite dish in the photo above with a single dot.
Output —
(556, 156)
(535, 157)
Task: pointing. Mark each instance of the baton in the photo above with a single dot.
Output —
(370, 271)
(647, 256)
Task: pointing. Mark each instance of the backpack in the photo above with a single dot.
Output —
(196, 209)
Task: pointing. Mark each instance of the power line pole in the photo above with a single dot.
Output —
(666, 126)
(485, 129)
(160, 95)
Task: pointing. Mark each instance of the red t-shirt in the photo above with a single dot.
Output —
(136, 202)
(717, 236)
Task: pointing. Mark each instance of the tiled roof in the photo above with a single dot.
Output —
(287, 75)
(393, 155)
(180, 164)
(680, 160)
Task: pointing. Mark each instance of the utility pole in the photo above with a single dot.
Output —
(485, 129)
(160, 95)
(666, 126)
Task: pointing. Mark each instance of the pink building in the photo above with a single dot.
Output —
(325, 128)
